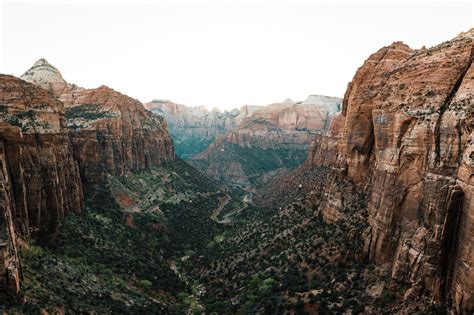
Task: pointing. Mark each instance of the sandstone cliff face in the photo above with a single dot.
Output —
(44, 177)
(267, 141)
(10, 270)
(48, 150)
(405, 137)
(195, 128)
(44, 75)
(113, 134)
(40, 180)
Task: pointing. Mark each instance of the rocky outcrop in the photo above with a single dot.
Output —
(44, 75)
(113, 134)
(267, 140)
(195, 128)
(39, 178)
(405, 137)
(54, 139)
(43, 175)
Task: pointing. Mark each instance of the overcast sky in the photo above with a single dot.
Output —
(217, 53)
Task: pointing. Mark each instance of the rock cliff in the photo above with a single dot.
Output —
(405, 138)
(46, 76)
(54, 137)
(195, 128)
(111, 133)
(266, 141)
(40, 180)
(43, 175)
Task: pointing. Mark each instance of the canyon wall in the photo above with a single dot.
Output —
(40, 179)
(194, 129)
(405, 137)
(111, 133)
(43, 175)
(267, 140)
(55, 137)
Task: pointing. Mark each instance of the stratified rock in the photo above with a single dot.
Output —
(45, 76)
(39, 178)
(114, 134)
(45, 182)
(267, 140)
(195, 128)
(111, 133)
(405, 137)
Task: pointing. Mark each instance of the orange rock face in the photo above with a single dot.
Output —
(195, 128)
(111, 133)
(405, 137)
(38, 155)
(40, 180)
(48, 150)
(267, 140)
(114, 134)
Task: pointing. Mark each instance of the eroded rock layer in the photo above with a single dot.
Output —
(405, 137)
(53, 138)
(111, 133)
(195, 128)
(114, 134)
(44, 177)
(40, 180)
(267, 141)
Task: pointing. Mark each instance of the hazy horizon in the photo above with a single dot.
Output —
(215, 54)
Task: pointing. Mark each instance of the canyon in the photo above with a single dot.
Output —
(360, 205)
(250, 145)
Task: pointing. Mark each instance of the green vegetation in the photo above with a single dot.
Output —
(254, 162)
(26, 120)
(86, 112)
(163, 254)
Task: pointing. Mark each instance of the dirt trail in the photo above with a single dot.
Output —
(217, 211)
(246, 200)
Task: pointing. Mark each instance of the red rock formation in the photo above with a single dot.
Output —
(195, 128)
(44, 177)
(405, 137)
(111, 133)
(114, 134)
(39, 178)
(10, 270)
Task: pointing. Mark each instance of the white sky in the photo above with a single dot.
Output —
(216, 52)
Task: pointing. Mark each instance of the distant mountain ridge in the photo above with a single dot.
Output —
(194, 128)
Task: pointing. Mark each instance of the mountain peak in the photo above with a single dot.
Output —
(46, 76)
(42, 62)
